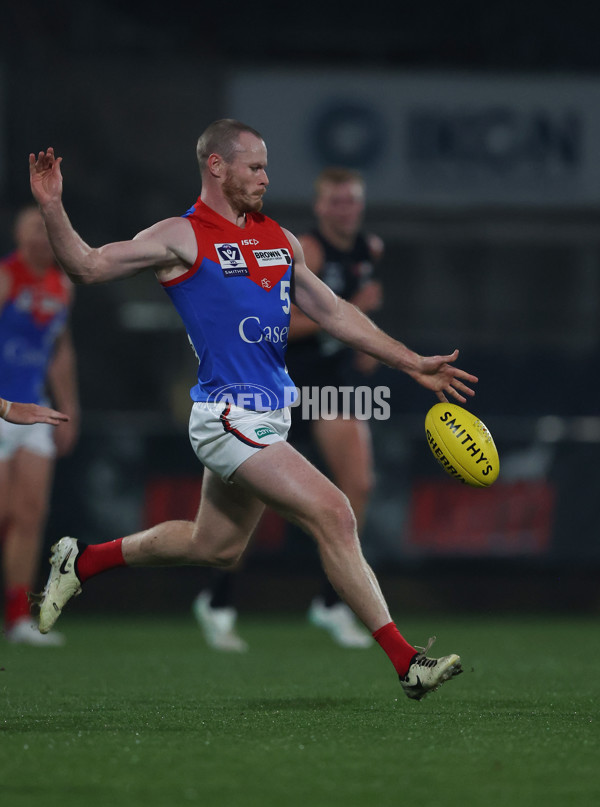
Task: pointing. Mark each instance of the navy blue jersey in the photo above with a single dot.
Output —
(346, 273)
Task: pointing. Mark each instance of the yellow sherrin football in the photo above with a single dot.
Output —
(462, 445)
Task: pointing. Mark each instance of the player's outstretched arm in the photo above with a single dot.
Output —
(152, 249)
(349, 325)
(25, 414)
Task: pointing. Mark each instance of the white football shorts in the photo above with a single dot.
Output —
(224, 435)
(36, 438)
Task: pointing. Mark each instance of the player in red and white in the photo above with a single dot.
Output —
(36, 359)
(344, 257)
(248, 462)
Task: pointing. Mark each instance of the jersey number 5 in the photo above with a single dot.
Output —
(284, 293)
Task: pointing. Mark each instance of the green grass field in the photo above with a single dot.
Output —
(138, 712)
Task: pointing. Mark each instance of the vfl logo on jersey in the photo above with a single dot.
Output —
(272, 257)
(231, 260)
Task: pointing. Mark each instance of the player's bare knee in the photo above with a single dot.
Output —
(334, 520)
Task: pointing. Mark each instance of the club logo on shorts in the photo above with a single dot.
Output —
(272, 257)
(231, 260)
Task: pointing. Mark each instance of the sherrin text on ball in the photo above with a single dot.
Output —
(462, 445)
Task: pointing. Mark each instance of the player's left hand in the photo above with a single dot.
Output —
(439, 374)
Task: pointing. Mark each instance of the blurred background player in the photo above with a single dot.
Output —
(36, 360)
(344, 257)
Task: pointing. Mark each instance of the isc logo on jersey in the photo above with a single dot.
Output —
(272, 257)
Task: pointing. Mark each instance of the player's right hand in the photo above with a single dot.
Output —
(45, 177)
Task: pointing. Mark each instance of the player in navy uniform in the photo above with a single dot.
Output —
(344, 257)
(230, 270)
(36, 359)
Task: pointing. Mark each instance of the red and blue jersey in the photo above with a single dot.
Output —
(34, 313)
(235, 304)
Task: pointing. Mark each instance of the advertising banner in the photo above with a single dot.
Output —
(429, 139)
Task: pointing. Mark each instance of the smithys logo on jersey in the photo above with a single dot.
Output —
(272, 257)
(231, 260)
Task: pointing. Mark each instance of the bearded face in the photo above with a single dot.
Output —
(245, 180)
(242, 194)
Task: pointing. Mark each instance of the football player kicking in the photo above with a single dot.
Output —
(232, 273)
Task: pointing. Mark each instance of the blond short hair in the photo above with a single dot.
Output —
(337, 176)
(221, 137)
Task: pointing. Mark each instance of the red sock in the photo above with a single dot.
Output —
(96, 558)
(16, 605)
(397, 648)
